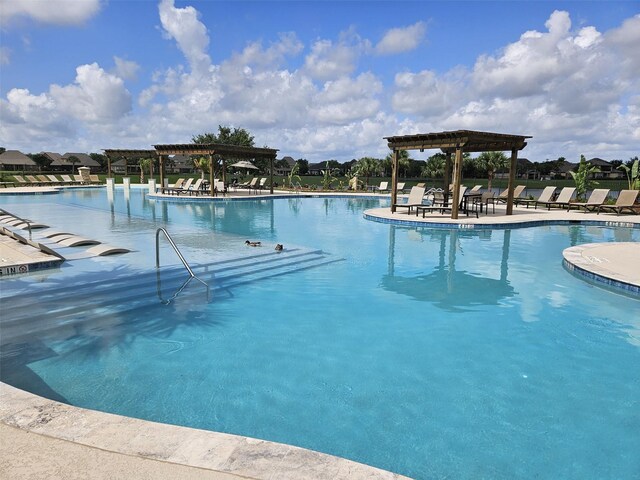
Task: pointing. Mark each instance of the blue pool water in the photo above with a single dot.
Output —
(432, 353)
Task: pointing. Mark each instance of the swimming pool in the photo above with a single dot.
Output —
(428, 352)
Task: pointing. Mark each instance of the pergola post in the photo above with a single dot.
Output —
(512, 180)
(161, 165)
(394, 180)
(109, 166)
(447, 172)
(211, 184)
(457, 176)
(271, 175)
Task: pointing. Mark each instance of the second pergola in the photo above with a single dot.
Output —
(457, 143)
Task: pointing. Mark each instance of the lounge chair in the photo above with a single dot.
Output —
(78, 179)
(563, 198)
(444, 208)
(597, 198)
(486, 199)
(626, 201)
(415, 199)
(20, 180)
(517, 191)
(545, 196)
(54, 179)
(33, 180)
(383, 187)
(94, 179)
(178, 183)
(219, 187)
(400, 187)
(260, 185)
(475, 189)
(178, 190)
(66, 179)
(195, 189)
(44, 180)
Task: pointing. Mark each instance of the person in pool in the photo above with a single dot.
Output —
(279, 247)
(253, 244)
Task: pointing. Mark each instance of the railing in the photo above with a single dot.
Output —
(184, 262)
(28, 222)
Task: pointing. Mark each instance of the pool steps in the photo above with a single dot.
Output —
(67, 307)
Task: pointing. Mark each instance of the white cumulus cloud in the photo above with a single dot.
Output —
(56, 12)
(398, 40)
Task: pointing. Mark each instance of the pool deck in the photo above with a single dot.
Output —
(41, 438)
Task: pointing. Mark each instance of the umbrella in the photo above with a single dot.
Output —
(244, 164)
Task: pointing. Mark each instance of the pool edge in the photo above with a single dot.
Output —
(223, 453)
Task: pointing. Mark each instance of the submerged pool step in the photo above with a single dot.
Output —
(88, 304)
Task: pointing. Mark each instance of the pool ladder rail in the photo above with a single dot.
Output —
(184, 262)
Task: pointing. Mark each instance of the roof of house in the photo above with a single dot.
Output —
(85, 160)
(566, 167)
(290, 161)
(599, 162)
(15, 157)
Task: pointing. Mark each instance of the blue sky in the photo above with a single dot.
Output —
(320, 79)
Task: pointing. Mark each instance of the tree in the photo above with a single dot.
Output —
(100, 158)
(72, 159)
(226, 136)
(368, 167)
(41, 160)
(201, 164)
(303, 165)
(491, 162)
(434, 167)
(145, 164)
(632, 169)
(582, 177)
(404, 161)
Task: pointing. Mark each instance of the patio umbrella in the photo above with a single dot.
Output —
(245, 164)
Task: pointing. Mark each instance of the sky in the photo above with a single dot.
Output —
(320, 79)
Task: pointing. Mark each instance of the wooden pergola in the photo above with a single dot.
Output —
(458, 142)
(210, 149)
(116, 154)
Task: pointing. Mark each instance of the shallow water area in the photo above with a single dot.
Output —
(428, 352)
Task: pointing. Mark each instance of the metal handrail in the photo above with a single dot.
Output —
(28, 222)
(182, 259)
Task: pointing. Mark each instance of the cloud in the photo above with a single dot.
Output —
(125, 69)
(330, 60)
(56, 12)
(184, 26)
(399, 40)
(95, 100)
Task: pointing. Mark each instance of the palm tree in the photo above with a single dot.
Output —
(434, 167)
(368, 167)
(404, 161)
(492, 162)
(145, 164)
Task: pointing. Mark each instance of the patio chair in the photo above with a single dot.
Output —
(260, 185)
(596, 199)
(517, 191)
(484, 201)
(475, 189)
(193, 189)
(219, 187)
(94, 179)
(545, 196)
(178, 190)
(33, 180)
(400, 187)
(20, 180)
(626, 201)
(415, 199)
(78, 179)
(563, 198)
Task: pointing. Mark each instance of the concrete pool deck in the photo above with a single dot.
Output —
(41, 438)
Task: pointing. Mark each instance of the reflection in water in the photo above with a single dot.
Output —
(446, 286)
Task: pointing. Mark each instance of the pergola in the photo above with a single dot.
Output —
(209, 149)
(114, 154)
(458, 142)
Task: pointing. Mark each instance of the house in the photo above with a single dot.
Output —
(55, 159)
(15, 160)
(282, 170)
(84, 161)
(179, 164)
(606, 169)
(317, 168)
(564, 169)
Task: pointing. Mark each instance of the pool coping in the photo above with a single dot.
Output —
(228, 454)
(606, 264)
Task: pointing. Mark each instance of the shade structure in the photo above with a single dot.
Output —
(245, 164)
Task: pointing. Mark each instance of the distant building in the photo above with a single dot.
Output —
(317, 168)
(606, 169)
(85, 160)
(15, 160)
(564, 169)
(179, 164)
(282, 170)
